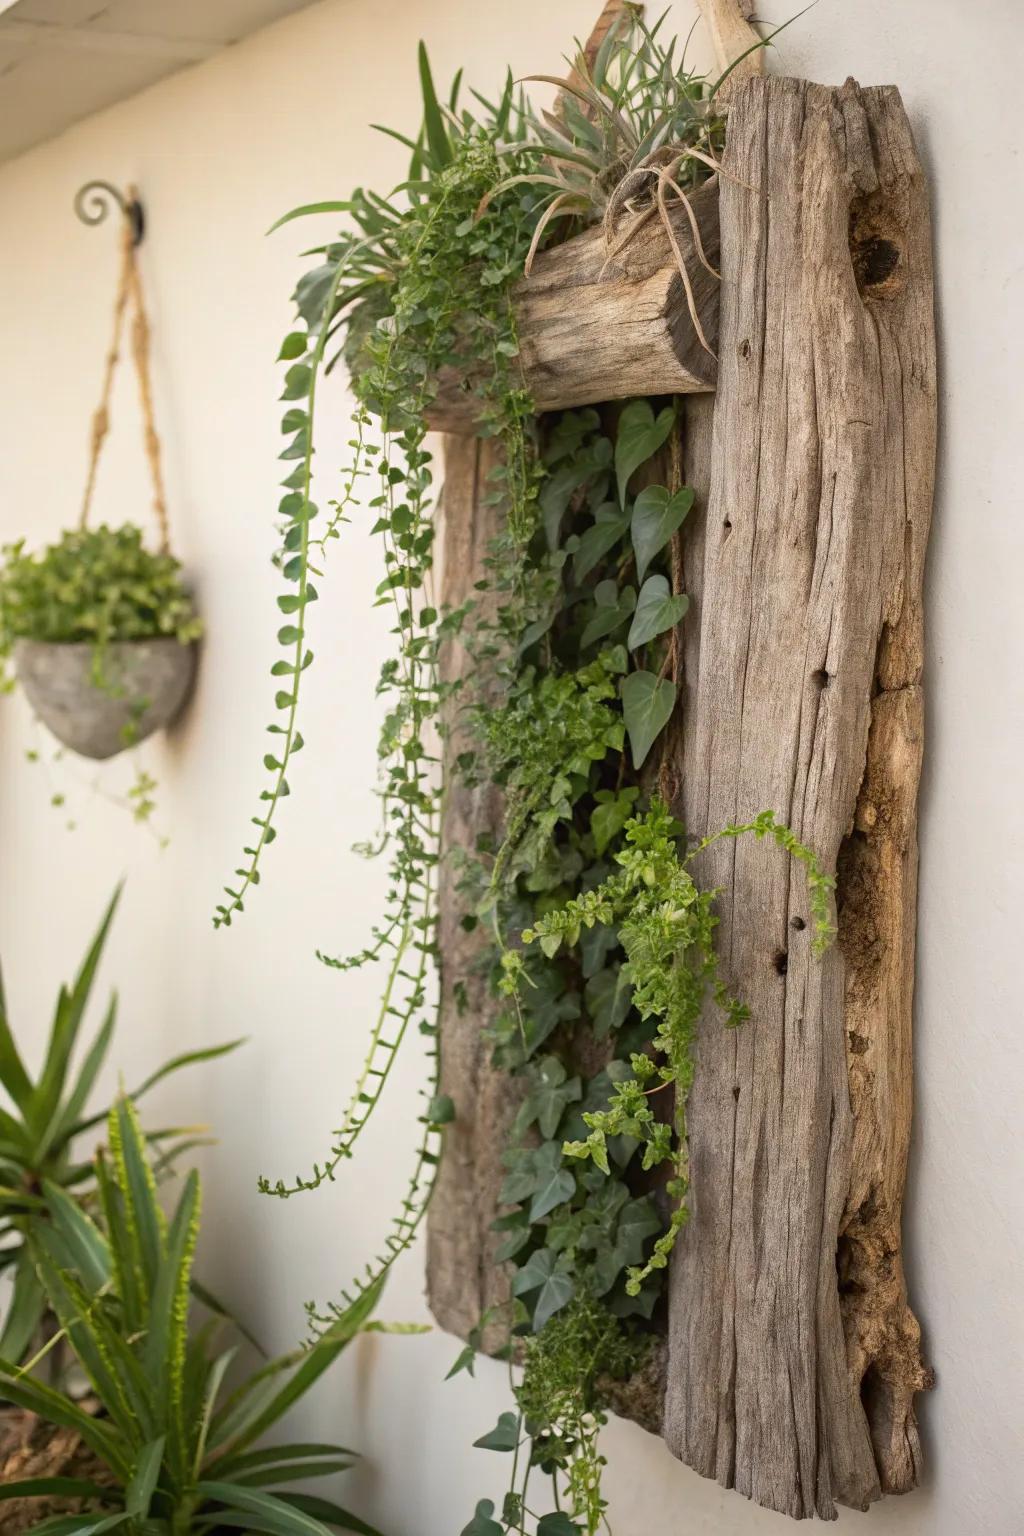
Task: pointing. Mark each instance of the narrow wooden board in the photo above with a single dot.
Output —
(793, 1354)
(463, 1282)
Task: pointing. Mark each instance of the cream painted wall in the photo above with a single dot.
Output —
(219, 152)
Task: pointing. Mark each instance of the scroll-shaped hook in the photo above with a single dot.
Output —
(93, 203)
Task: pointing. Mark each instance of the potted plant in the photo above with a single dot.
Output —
(102, 635)
(42, 1124)
(174, 1450)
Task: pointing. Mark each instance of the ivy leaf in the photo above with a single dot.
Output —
(656, 611)
(647, 705)
(609, 817)
(503, 1437)
(608, 997)
(611, 608)
(607, 529)
(638, 1222)
(482, 1523)
(534, 1273)
(558, 1524)
(555, 1183)
(656, 517)
(549, 1095)
(640, 435)
(555, 1293)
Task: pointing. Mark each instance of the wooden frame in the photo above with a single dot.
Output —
(792, 1356)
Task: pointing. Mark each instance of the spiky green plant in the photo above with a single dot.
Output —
(46, 1119)
(180, 1453)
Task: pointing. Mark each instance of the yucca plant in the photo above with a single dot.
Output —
(180, 1453)
(46, 1119)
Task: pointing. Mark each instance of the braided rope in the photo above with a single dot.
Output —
(129, 289)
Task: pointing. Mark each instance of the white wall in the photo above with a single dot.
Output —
(219, 152)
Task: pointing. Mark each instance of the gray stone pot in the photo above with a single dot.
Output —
(147, 684)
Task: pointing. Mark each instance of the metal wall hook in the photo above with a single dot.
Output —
(93, 203)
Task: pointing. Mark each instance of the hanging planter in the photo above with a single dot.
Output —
(144, 686)
(101, 630)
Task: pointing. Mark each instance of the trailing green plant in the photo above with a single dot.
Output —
(180, 1452)
(598, 935)
(93, 586)
(43, 1128)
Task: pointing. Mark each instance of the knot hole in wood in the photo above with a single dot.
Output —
(876, 248)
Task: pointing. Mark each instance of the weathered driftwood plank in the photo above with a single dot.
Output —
(593, 330)
(463, 1281)
(794, 1356)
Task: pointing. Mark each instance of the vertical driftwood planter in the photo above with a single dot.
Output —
(792, 1355)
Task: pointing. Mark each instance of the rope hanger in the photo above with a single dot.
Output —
(92, 207)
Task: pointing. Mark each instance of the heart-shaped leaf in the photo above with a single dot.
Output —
(555, 1184)
(608, 996)
(558, 1524)
(607, 529)
(647, 705)
(503, 1437)
(656, 611)
(611, 608)
(482, 1523)
(656, 516)
(534, 1273)
(555, 1293)
(640, 434)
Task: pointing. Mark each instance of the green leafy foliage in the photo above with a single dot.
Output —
(180, 1452)
(45, 1121)
(575, 628)
(95, 585)
(666, 925)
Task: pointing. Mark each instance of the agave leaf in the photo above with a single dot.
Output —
(57, 1408)
(165, 1349)
(140, 1490)
(214, 1382)
(25, 1310)
(86, 1524)
(128, 1281)
(176, 1064)
(87, 1247)
(77, 1312)
(246, 1418)
(264, 1511)
(66, 1023)
(438, 142)
(54, 1487)
(328, 1510)
(306, 209)
(63, 1124)
(144, 1219)
(12, 1069)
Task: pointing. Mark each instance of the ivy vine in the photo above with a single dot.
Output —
(600, 944)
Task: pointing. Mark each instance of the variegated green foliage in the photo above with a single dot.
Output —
(181, 1451)
(42, 1126)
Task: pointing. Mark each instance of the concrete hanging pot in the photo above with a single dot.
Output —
(101, 629)
(141, 687)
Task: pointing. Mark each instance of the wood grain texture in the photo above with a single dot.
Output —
(593, 330)
(462, 1278)
(789, 1380)
(732, 38)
